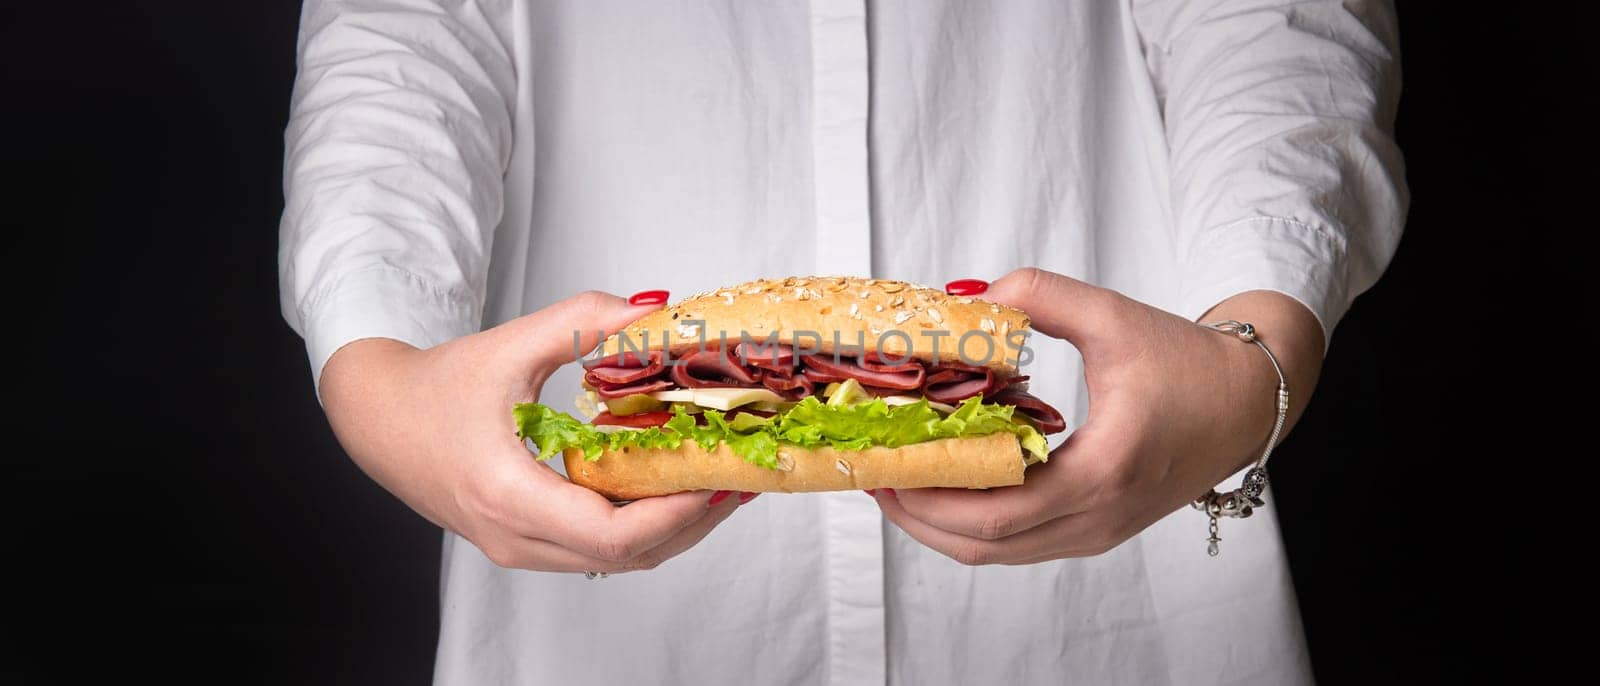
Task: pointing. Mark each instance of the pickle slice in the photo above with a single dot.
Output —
(633, 404)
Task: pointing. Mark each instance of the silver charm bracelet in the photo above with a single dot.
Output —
(1242, 501)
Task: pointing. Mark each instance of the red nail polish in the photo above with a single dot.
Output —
(890, 491)
(966, 287)
(718, 497)
(747, 497)
(872, 492)
(648, 298)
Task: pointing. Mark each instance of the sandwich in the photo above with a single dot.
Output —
(803, 384)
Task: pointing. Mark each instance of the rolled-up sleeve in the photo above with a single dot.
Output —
(395, 154)
(1285, 175)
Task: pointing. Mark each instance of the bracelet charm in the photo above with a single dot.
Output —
(1242, 501)
(1239, 503)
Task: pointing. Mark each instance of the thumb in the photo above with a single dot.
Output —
(566, 330)
(1058, 306)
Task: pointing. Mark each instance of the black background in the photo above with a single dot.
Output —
(180, 508)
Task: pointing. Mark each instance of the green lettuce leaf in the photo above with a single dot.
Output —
(553, 432)
(808, 424)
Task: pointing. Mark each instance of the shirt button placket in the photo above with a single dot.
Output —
(852, 528)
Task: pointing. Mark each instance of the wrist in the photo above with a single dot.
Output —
(1290, 330)
(358, 367)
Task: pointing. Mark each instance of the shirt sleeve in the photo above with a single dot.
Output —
(397, 145)
(1278, 116)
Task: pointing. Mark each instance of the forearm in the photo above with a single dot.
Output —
(399, 134)
(1291, 331)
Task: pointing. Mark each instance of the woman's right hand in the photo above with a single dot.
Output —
(434, 427)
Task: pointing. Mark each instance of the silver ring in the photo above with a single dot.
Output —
(595, 575)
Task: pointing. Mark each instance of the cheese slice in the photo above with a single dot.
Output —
(679, 395)
(895, 400)
(729, 398)
(718, 398)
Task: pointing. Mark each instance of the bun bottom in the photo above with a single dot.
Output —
(980, 462)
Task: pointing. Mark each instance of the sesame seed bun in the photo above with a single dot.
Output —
(978, 462)
(857, 309)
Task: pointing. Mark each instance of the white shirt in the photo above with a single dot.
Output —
(452, 165)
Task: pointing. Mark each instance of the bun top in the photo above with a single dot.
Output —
(888, 317)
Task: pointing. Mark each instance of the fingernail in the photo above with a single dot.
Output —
(648, 298)
(890, 491)
(747, 497)
(718, 497)
(966, 287)
(872, 492)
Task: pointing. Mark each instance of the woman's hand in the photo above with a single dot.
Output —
(435, 428)
(1174, 408)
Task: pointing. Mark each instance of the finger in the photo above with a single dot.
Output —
(541, 555)
(1058, 306)
(1105, 538)
(554, 509)
(997, 512)
(1085, 472)
(1073, 535)
(686, 538)
(519, 552)
(569, 329)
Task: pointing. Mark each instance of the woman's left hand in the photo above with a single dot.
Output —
(1174, 409)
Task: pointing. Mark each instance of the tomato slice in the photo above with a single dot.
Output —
(638, 421)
